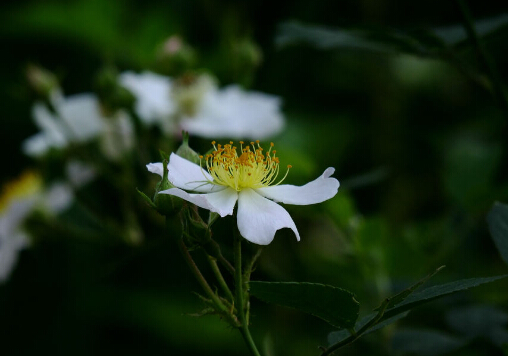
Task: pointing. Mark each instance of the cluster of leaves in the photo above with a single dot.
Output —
(339, 308)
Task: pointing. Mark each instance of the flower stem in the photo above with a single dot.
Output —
(240, 296)
(220, 278)
(355, 335)
(220, 307)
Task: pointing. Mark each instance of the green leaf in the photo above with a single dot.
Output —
(375, 321)
(334, 305)
(434, 292)
(337, 336)
(422, 42)
(399, 297)
(146, 199)
(498, 226)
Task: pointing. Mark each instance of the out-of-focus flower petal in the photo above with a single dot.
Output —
(81, 113)
(153, 95)
(235, 113)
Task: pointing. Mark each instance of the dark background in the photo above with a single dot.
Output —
(416, 133)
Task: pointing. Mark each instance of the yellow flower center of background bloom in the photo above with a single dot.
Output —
(251, 169)
(27, 184)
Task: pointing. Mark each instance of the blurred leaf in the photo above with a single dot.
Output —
(470, 167)
(434, 292)
(101, 26)
(385, 41)
(498, 226)
(334, 305)
(425, 342)
(480, 320)
(453, 35)
(431, 42)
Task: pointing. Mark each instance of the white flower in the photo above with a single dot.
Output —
(77, 119)
(117, 136)
(79, 173)
(17, 201)
(249, 179)
(196, 105)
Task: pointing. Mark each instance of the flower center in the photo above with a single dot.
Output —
(189, 91)
(251, 169)
(27, 184)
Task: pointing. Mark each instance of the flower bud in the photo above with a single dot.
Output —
(111, 94)
(42, 81)
(175, 56)
(185, 151)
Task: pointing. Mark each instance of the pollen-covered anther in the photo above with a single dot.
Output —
(250, 169)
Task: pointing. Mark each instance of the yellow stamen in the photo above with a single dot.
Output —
(250, 169)
(27, 184)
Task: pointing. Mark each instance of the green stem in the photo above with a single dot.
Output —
(356, 335)
(249, 266)
(239, 293)
(220, 307)
(220, 278)
(483, 56)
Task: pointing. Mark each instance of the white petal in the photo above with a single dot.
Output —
(58, 197)
(82, 115)
(222, 202)
(317, 191)
(36, 145)
(52, 128)
(10, 245)
(189, 176)
(155, 168)
(234, 113)
(80, 173)
(153, 95)
(260, 218)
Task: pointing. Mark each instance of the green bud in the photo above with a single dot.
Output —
(185, 151)
(167, 205)
(111, 94)
(174, 56)
(200, 234)
(42, 81)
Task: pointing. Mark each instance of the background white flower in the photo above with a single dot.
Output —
(77, 119)
(258, 215)
(229, 112)
(16, 203)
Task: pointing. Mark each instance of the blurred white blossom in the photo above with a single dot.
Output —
(117, 136)
(19, 198)
(195, 104)
(77, 118)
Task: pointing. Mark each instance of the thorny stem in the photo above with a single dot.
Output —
(202, 281)
(240, 296)
(220, 278)
(225, 263)
(246, 278)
